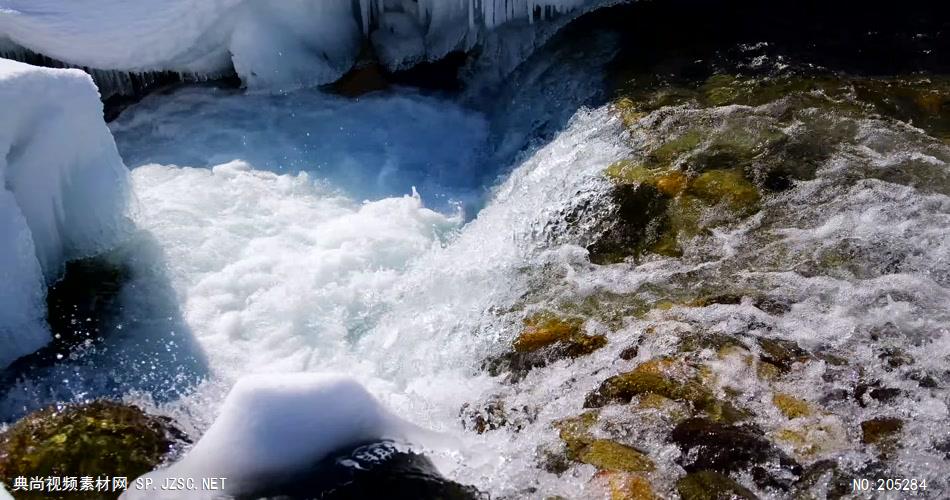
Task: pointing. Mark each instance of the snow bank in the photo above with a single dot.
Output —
(274, 426)
(274, 44)
(63, 196)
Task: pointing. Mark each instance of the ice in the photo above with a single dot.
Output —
(64, 191)
(272, 44)
(272, 427)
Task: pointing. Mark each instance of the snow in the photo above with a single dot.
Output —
(273, 426)
(64, 191)
(271, 44)
(4, 494)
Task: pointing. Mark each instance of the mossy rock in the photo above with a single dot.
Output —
(782, 353)
(575, 433)
(710, 485)
(790, 406)
(726, 186)
(546, 329)
(881, 431)
(546, 337)
(625, 485)
(611, 455)
(86, 440)
(652, 378)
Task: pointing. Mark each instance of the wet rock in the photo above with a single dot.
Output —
(494, 415)
(629, 353)
(895, 358)
(102, 437)
(782, 353)
(881, 430)
(611, 455)
(710, 485)
(790, 406)
(709, 445)
(604, 454)
(666, 378)
(375, 470)
(864, 393)
(546, 337)
(575, 433)
(823, 479)
(77, 307)
(624, 485)
(633, 223)
(547, 330)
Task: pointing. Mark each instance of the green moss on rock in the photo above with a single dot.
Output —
(611, 455)
(93, 439)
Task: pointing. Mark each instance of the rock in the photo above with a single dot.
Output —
(637, 209)
(790, 406)
(102, 437)
(709, 445)
(823, 479)
(575, 432)
(782, 353)
(629, 353)
(374, 470)
(666, 378)
(710, 485)
(546, 337)
(611, 455)
(545, 330)
(493, 415)
(881, 430)
(729, 187)
(624, 485)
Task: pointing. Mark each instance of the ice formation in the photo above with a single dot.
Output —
(272, 426)
(63, 196)
(273, 44)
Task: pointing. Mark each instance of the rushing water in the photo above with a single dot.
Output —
(403, 238)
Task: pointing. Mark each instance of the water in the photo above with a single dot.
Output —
(402, 238)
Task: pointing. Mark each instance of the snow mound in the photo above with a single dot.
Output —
(273, 426)
(274, 44)
(63, 196)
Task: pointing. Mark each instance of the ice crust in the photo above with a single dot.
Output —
(271, 44)
(271, 426)
(63, 195)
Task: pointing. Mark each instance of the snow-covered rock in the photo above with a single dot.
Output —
(272, 427)
(272, 44)
(63, 195)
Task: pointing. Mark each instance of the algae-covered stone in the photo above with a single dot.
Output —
(611, 455)
(101, 437)
(546, 337)
(625, 485)
(726, 186)
(546, 329)
(790, 406)
(575, 432)
(709, 485)
(882, 430)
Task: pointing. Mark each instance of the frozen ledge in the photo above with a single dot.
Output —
(271, 44)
